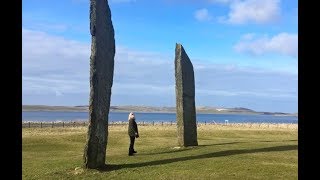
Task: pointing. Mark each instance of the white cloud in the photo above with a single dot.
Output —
(147, 89)
(283, 43)
(220, 1)
(35, 45)
(248, 36)
(202, 15)
(110, 1)
(55, 70)
(122, 1)
(53, 64)
(58, 93)
(199, 1)
(266, 93)
(245, 11)
(46, 84)
(252, 11)
(46, 26)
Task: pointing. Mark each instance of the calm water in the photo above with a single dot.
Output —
(157, 117)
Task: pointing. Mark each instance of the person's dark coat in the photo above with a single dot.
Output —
(133, 128)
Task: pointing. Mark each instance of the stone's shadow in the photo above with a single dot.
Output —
(189, 148)
(280, 141)
(112, 167)
(109, 167)
(167, 152)
(217, 144)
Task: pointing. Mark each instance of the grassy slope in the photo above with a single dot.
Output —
(223, 153)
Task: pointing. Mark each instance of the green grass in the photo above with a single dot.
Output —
(223, 153)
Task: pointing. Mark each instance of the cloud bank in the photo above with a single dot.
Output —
(282, 43)
(56, 72)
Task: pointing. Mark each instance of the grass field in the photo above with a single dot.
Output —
(224, 152)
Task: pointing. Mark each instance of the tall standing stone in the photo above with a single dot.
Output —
(101, 79)
(185, 99)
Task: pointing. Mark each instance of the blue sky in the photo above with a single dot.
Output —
(244, 52)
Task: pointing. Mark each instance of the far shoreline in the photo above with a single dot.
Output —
(160, 112)
(151, 109)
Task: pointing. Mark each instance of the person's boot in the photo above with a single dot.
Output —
(134, 151)
(130, 152)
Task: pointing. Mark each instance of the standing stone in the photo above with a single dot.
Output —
(101, 79)
(185, 99)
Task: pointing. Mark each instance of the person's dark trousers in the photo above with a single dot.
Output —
(131, 149)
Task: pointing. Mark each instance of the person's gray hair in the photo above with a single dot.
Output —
(131, 116)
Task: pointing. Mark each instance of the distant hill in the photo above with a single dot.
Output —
(129, 108)
(54, 108)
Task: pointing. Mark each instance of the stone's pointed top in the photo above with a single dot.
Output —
(180, 49)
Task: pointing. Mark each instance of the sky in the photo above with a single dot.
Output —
(244, 52)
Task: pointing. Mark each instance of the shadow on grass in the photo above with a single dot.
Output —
(280, 141)
(188, 148)
(111, 167)
(204, 145)
(217, 144)
(171, 151)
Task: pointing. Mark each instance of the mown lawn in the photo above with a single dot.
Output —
(224, 152)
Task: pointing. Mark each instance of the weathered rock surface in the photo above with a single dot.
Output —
(185, 99)
(101, 80)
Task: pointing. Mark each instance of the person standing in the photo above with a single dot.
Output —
(133, 132)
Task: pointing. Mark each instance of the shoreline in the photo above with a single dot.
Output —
(162, 112)
(151, 109)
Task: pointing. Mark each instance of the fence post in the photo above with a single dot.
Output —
(74, 124)
(205, 122)
(52, 124)
(40, 124)
(63, 124)
(171, 123)
(29, 124)
(84, 123)
(162, 123)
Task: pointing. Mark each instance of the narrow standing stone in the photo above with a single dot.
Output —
(101, 79)
(185, 99)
